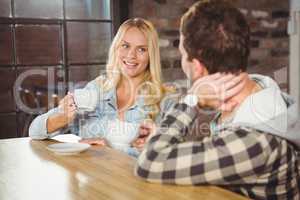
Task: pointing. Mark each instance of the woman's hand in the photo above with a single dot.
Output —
(94, 141)
(65, 116)
(68, 107)
(216, 90)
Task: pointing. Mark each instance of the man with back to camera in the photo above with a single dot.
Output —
(249, 149)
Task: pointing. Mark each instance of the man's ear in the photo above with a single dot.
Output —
(199, 69)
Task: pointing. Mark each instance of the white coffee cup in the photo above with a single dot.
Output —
(85, 99)
(120, 134)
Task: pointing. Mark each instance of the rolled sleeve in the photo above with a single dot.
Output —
(38, 127)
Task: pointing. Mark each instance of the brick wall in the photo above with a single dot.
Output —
(269, 38)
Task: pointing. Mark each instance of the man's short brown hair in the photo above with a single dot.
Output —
(217, 34)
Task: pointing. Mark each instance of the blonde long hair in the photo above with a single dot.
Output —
(152, 87)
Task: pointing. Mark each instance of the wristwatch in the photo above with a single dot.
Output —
(191, 100)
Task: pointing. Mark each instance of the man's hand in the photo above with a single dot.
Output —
(215, 91)
(145, 130)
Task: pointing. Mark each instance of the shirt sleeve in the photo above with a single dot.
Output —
(229, 157)
(38, 127)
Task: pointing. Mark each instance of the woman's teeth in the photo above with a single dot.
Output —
(130, 64)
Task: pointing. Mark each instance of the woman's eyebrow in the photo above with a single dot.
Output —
(125, 41)
(142, 45)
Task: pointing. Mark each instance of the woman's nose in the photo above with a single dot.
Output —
(131, 53)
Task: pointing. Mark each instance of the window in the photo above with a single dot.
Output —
(48, 47)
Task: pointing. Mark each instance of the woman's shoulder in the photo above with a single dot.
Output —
(176, 86)
(173, 92)
(100, 83)
(170, 97)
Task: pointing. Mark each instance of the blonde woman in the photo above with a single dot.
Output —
(129, 93)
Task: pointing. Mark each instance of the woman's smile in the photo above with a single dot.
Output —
(130, 64)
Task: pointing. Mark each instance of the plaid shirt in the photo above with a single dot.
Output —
(255, 164)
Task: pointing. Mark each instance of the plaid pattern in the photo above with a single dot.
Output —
(255, 164)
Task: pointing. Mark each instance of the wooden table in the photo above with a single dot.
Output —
(28, 171)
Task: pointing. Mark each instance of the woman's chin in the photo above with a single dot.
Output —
(130, 73)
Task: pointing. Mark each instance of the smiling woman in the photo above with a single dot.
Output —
(133, 53)
(129, 94)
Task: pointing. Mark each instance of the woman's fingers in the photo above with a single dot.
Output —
(71, 112)
(69, 100)
(67, 104)
(94, 141)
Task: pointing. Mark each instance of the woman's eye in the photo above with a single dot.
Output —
(142, 50)
(124, 46)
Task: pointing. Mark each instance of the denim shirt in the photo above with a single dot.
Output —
(94, 124)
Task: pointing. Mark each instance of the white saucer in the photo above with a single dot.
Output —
(68, 148)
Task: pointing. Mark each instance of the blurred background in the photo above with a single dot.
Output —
(50, 47)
